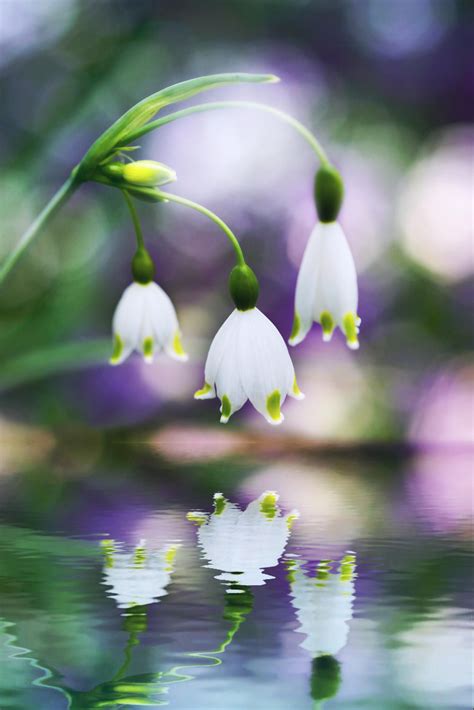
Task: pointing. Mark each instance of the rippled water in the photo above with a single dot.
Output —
(129, 582)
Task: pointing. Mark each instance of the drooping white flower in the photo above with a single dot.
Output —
(323, 604)
(139, 577)
(326, 289)
(248, 359)
(145, 320)
(241, 544)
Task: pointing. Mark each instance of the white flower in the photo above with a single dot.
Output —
(139, 577)
(248, 359)
(145, 320)
(241, 544)
(326, 290)
(323, 604)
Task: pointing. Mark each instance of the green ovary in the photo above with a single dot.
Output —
(273, 405)
(117, 349)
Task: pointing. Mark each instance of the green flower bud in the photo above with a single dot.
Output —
(141, 173)
(244, 288)
(143, 268)
(329, 191)
(147, 173)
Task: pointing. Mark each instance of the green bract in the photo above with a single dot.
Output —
(120, 132)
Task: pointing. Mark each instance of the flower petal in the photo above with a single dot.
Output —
(306, 286)
(218, 349)
(163, 321)
(337, 288)
(127, 320)
(266, 370)
(228, 383)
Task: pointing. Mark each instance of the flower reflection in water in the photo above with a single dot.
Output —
(324, 605)
(139, 577)
(242, 543)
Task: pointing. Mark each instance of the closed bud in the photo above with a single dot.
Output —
(141, 173)
(329, 191)
(147, 173)
(244, 288)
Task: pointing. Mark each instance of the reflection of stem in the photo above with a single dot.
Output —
(208, 655)
(212, 105)
(133, 640)
(62, 195)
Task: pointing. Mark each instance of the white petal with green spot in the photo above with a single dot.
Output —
(145, 320)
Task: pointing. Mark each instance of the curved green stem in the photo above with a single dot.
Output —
(213, 105)
(62, 195)
(135, 220)
(220, 223)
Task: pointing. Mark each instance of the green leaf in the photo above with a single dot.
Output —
(145, 110)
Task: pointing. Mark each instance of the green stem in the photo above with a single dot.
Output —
(213, 105)
(135, 220)
(62, 195)
(220, 223)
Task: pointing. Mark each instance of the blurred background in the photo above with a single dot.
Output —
(388, 87)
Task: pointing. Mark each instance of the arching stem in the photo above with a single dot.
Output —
(217, 220)
(214, 105)
(135, 220)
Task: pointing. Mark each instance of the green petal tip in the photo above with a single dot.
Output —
(206, 392)
(116, 357)
(350, 326)
(273, 408)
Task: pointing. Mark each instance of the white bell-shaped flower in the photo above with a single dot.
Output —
(326, 289)
(145, 320)
(248, 359)
(323, 604)
(139, 577)
(241, 544)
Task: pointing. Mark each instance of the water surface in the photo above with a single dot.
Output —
(126, 582)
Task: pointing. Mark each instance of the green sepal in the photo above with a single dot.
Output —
(143, 267)
(329, 192)
(121, 132)
(244, 287)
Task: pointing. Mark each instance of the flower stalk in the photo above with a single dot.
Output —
(239, 255)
